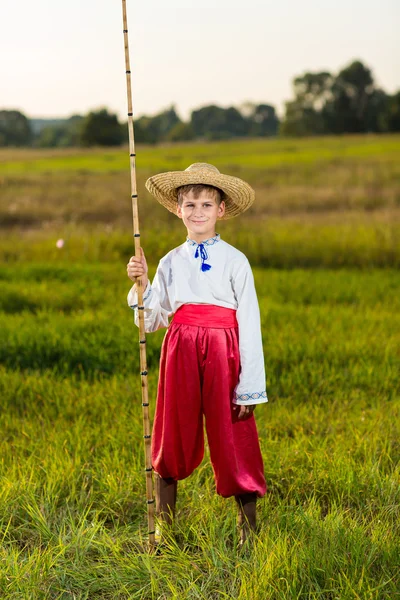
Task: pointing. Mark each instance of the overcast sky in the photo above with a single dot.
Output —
(60, 58)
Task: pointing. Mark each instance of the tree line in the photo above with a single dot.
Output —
(348, 102)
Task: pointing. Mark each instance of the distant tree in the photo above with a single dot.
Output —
(15, 129)
(101, 128)
(65, 134)
(181, 132)
(356, 103)
(262, 119)
(374, 118)
(74, 130)
(150, 130)
(50, 136)
(216, 123)
(390, 116)
(347, 103)
(145, 133)
(304, 113)
(165, 121)
(38, 124)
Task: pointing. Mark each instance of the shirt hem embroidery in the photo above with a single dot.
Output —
(252, 396)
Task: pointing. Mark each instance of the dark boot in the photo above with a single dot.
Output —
(247, 514)
(166, 491)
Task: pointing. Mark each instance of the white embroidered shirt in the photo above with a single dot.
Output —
(212, 272)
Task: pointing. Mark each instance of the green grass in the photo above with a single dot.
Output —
(323, 236)
(251, 154)
(72, 486)
(320, 202)
(270, 243)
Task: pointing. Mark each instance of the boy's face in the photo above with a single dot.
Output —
(200, 215)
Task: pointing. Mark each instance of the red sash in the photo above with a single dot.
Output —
(205, 315)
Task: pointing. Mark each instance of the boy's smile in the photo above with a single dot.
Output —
(200, 215)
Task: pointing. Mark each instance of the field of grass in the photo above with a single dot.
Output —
(324, 239)
(328, 202)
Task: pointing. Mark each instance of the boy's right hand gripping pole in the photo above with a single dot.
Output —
(142, 334)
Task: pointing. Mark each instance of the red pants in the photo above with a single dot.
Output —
(199, 370)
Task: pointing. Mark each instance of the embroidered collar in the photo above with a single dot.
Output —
(210, 242)
(201, 251)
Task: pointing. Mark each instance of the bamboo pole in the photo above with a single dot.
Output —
(142, 334)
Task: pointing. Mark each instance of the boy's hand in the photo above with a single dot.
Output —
(245, 411)
(137, 267)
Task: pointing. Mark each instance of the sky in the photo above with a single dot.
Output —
(62, 58)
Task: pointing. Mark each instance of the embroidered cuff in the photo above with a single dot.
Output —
(145, 297)
(251, 398)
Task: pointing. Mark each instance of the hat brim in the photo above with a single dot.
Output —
(239, 195)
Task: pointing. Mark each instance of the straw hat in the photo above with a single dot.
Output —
(238, 194)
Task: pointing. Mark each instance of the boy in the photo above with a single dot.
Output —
(212, 358)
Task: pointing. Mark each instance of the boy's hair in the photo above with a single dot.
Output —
(197, 188)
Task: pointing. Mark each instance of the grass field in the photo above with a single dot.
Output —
(328, 202)
(324, 239)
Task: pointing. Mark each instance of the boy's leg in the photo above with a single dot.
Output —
(234, 446)
(247, 514)
(177, 440)
(166, 491)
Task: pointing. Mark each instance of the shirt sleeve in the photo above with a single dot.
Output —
(156, 303)
(251, 386)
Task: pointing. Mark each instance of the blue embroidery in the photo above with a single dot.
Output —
(252, 396)
(145, 297)
(209, 242)
(203, 255)
(201, 250)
